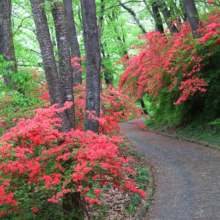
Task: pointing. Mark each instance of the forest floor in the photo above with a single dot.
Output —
(121, 205)
(186, 175)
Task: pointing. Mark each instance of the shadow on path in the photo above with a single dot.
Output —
(188, 177)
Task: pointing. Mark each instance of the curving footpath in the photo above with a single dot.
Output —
(187, 177)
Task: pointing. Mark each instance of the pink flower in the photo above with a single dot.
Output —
(35, 209)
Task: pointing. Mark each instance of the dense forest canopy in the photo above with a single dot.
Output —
(119, 32)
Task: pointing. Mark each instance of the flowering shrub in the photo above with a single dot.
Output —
(39, 165)
(34, 169)
(37, 172)
(117, 106)
(171, 69)
(171, 61)
(213, 2)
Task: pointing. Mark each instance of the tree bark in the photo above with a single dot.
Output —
(157, 18)
(60, 90)
(72, 201)
(6, 40)
(152, 14)
(143, 106)
(93, 63)
(73, 41)
(180, 10)
(65, 69)
(192, 15)
(166, 14)
(107, 76)
(54, 85)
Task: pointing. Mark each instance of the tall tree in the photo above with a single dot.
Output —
(73, 40)
(60, 89)
(157, 18)
(66, 75)
(156, 15)
(167, 15)
(192, 15)
(93, 63)
(179, 10)
(54, 85)
(6, 40)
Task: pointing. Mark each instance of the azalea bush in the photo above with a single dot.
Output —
(116, 105)
(177, 72)
(39, 165)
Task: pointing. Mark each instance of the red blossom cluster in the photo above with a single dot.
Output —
(75, 62)
(171, 61)
(213, 2)
(116, 104)
(34, 155)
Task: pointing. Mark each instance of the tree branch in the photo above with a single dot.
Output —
(114, 6)
(20, 24)
(129, 10)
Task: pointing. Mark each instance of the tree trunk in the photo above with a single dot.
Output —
(107, 76)
(192, 16)
(180, 10)
(6, 40)
(152, 14)
(166, 14)
(143, 106)
(59, 91)
(157, 18)
(73, 41)
(65, 69)
(93, 63)
(43, 35)
(72, 201)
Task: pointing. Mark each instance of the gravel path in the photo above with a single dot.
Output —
(188, 177)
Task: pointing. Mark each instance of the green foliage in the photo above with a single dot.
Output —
(18, 103)
(216, 123)
(15, 105)
(200, 108)
(141, 179)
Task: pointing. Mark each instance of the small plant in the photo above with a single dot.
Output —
(215, 123)
(141, 180)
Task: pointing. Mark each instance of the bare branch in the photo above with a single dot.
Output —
(21, 24)
(114, 6)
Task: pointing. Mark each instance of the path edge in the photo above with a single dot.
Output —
(149, 192)
(203, 143)
(175, 136)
